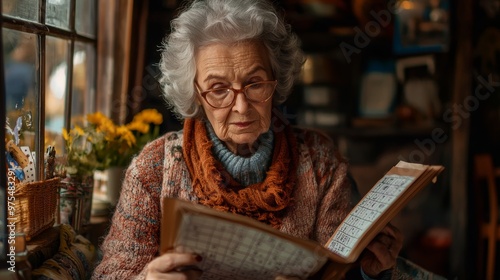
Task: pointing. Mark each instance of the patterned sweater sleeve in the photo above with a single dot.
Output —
(133, 239)
(334, 188)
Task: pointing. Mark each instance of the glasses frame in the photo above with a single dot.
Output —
(236, 92)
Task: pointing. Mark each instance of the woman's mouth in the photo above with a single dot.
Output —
(242, 124)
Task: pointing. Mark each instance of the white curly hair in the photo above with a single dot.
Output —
(203, 22)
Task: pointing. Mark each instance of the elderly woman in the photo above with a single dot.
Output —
(225, 67)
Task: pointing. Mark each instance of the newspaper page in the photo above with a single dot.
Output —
(235, 251)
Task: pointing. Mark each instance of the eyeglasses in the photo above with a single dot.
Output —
(224, 97)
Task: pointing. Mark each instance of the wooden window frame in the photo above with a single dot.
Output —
(44, 30)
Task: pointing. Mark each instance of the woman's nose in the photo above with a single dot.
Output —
(240, 102)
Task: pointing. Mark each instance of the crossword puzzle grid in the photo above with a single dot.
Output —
(241, 252)
(374, 204)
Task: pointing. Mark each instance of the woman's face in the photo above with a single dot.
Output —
(235, 66)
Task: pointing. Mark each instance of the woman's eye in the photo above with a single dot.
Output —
(217, 86)
(255, 85)
(219, 91)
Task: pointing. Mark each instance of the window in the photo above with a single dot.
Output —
(49, 53)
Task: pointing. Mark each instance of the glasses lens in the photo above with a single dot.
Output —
(259, 91)
(220, 97)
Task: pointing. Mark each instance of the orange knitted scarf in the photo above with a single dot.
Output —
(215, 187)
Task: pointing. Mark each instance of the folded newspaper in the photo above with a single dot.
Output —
(238, 247)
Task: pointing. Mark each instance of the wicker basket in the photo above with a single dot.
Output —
(35, 206)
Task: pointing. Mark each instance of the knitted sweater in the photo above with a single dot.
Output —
(321, 199)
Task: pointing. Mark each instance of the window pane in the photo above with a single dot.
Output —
(57, 13)
(56, 91)
(26, 9)
(83, 90)
(22, 88)
(85, 17)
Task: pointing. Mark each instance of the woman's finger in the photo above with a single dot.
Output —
(394, 232)
(282, 277)
(383, 253)
(173, 262)
(191, 274)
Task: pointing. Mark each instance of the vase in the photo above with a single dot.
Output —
(114, 183)
(75, 201)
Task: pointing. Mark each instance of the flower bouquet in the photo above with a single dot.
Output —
(99, 145)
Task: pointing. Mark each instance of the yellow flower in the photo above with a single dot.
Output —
(149, 116)
(110, 137)
(101, 143)
(66, 135)
(97, 118)
(138, 126)
(107, 126)
(125, 134)
(79, 131)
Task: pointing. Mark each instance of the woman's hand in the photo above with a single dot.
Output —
(382, 252)
(174, 266)
(282, 277)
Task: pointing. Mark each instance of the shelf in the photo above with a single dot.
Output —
(305, 22)
(396, 132)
